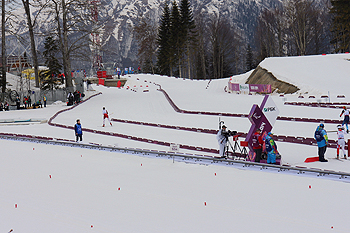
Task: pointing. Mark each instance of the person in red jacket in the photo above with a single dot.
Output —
(257, 143)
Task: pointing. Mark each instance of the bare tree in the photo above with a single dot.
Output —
(31, 24)
(223, 47)
(73, 27)
(146, 36)
(3, 47)
(270, 33)
(301, 17)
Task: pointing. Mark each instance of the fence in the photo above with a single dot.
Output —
(51, 96)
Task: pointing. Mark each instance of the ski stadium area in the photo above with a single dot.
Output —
(122, 178)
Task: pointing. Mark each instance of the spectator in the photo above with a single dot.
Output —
(44, 99)
(18, 102)
(257, 143)
(70, 98)
(37, 104)
(6, 106)
(29, 101)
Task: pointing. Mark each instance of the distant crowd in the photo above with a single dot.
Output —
(27, 103)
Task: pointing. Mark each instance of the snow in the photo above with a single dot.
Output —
(316, 74)
(101, 191)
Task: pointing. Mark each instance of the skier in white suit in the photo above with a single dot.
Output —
(105, 115)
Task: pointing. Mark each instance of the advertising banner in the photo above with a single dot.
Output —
(244, 87)
(259, 121)
(270, 110)
(260, 88)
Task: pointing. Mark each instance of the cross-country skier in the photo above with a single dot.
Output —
(271, 148)
(78, 131)
(105, 115)
(341, 141)
(346, 118)
(222, 140)
(322, 142)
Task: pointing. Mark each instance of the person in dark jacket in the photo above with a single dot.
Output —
(29, 101)
(70, 98)
(78, 131)
(322, 142)
(257, 143)
(6, 106)
(18, 103)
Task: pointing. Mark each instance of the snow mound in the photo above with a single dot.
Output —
(317, 74)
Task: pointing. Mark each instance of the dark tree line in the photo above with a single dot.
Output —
(299, 27)
(187, 46)
(210, 47)
(340, 12)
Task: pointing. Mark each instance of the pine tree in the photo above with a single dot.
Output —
(175, 39)
(48, 77)
(163, 60)
(187, 30)
(341, 25)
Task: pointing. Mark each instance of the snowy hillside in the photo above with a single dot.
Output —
(50, 188)
(314, 75)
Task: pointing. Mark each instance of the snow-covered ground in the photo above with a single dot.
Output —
(101, 191)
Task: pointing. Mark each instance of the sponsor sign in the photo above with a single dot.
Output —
(263, 117)
(244, 87)
(174, 147)
(258, 120)
(261, 88)
(270, 109)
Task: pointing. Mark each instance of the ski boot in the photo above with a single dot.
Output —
(103, 125)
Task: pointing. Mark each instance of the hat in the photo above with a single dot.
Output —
(269, 133)
(322, 125)
(340, 127)
(224, 126)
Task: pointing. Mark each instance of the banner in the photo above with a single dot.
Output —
(270, 110)
(260, 88)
